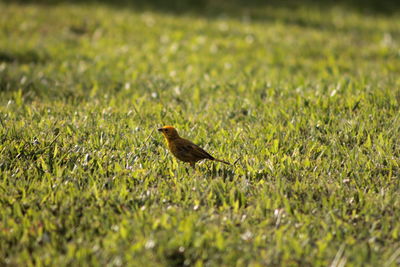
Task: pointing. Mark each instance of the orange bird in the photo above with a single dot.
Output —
(183, 149)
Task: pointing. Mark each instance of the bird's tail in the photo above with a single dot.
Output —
(222, 161)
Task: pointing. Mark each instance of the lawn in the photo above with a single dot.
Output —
(303, 96)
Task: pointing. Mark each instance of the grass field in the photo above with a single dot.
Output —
(306, 97)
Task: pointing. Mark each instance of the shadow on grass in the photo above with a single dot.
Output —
(233, 8)
(28, 56)
(227, 173)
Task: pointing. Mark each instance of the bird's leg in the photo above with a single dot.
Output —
(193, 165)
(187, 170)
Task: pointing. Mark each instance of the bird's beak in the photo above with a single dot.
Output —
(160, 129)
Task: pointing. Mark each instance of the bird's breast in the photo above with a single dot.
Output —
(177, 149)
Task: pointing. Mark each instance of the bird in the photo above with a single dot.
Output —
(184, 149)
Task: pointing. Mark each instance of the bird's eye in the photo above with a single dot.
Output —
(165, 130)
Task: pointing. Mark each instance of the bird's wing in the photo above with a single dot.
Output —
(193, 150)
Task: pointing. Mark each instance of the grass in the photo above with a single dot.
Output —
(307, 97)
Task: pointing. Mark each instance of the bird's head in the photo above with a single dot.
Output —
(169, 132)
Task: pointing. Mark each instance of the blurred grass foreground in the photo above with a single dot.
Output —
(304, 94)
